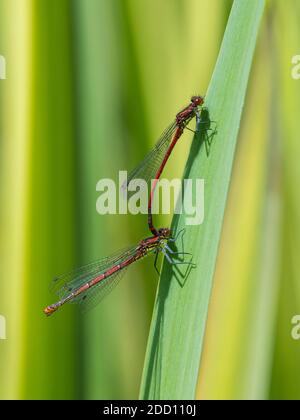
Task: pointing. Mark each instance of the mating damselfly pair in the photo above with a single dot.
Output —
(90, 283)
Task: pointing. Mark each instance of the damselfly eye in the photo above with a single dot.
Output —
(197, 100)
(164, 232)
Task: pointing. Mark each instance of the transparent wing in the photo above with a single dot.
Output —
(65, 284)
(148, 168)
(95, 294)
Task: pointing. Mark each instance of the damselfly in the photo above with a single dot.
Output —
(152, 166)
(91, 283)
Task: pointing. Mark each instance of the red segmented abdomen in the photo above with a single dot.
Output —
(111, 271)
(177, 135)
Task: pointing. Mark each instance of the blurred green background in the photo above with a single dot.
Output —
(90, 85)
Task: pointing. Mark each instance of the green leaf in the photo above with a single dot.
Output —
(180, 313)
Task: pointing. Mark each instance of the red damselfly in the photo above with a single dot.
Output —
(152, 166)
(91, 283)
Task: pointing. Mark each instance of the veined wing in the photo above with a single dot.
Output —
(71, 281)
(92, 296)
(148, 168)
(95, 294)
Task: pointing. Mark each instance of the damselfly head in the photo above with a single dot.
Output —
(164, 233)
(197, 100)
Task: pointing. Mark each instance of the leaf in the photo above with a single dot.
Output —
(180, 313)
